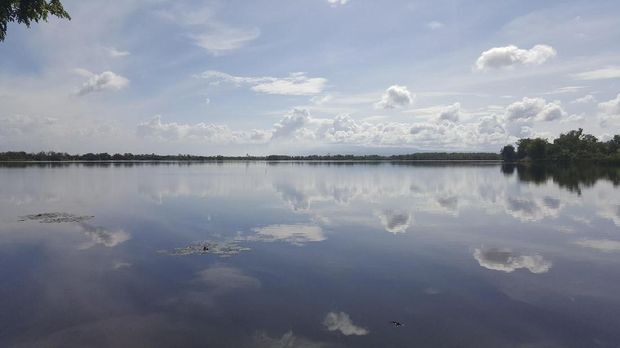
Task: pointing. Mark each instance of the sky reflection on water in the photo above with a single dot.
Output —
(465, 255)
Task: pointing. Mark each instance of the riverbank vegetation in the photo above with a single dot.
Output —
(571, 146)
(52, 156)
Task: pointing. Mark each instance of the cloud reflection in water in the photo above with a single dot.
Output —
(505, 260)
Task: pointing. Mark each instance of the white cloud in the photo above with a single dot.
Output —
(335, 3)
(204, 132)
(605, 245)
(599, 74)
(611, 107)
(534, 109)
(610, 111)
(294, 234)
(394, 97)
(586, 99)
(511, 56)
(450, 113)
(435, 25)
(106, 81)
(20, 125)
(340, 321)
(294, 84)
(291, 122)
(222, 39)
(395, 221)
(506, 261)
(114, 53)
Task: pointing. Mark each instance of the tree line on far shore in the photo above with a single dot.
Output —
(52, 156)
(571, 146)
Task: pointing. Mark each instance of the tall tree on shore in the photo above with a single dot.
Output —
(508, 153)
(28, 11)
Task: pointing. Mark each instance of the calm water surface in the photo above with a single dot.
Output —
(462, 256)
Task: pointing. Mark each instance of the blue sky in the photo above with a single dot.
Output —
(309, 76)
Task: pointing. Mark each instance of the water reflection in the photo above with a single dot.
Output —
(293, 234)
(572, 177)
(102, 236)
(507, 261)
(394, 221)
(337, 253)
(341, 322)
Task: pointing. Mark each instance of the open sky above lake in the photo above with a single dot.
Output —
(309, 76)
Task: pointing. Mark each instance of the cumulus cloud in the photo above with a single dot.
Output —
(106, 81)
(586, 99)
(294, 234)
(340, 321)
(512, 56)
(450, 113)
(220, 39)
(395, 97)
(611, 107)
(605, 245)
(490, 125)
(395, 221)
(291, 123)
(294, 84)
(199, 132)
(505, 260)
(299, 127)
(599, 74)
(610, 111)
(535, 109)
(335, 3)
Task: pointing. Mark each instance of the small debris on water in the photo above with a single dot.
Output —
(396, 323)
(50, 218)
(208, 247)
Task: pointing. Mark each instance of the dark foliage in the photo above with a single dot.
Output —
(572, 146)
(28, 11)
(61, 156)
(571, 176)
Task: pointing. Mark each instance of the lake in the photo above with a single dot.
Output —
(256, 254)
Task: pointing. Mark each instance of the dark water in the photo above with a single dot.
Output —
(462, 256)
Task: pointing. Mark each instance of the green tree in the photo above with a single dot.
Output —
(508, 153)
(28, 11)
(522, 145)
(537, 148)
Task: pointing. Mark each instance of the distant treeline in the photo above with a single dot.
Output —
(61, 156)
(571, 146)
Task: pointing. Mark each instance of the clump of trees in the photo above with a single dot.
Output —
(28, 11)
(571, 146)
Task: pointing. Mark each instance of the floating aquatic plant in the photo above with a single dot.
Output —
(50, 218)
(225, 249)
